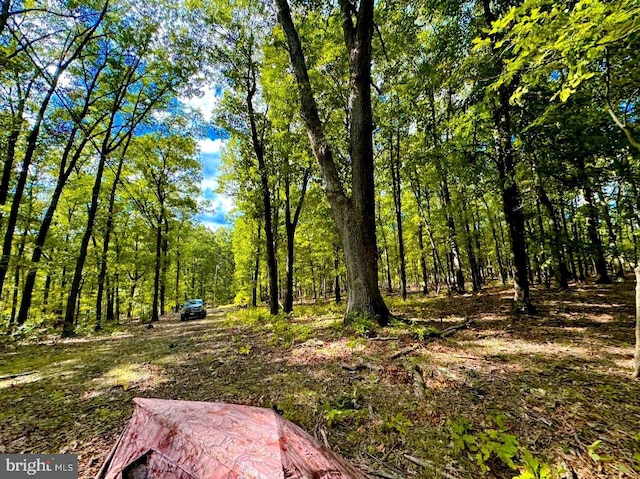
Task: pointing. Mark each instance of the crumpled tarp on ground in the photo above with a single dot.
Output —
(200, 440)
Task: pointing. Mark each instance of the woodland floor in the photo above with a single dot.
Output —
(556, 385)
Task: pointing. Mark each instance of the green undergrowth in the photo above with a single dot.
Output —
(498, 400)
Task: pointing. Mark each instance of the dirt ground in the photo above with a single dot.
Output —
(549, 393)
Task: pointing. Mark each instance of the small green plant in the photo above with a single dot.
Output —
(421, 333)
(532, 468)
(362, 327)
(335, 416)
(245, 349)
(287, 333)
(397, 423)
(495, 444)
(591, 450)
(344, 409)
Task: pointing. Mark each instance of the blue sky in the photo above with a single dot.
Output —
(210, 149)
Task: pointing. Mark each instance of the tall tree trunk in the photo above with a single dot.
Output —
(63, 175)
(567, 237)
(385, 249)
(496, 241)
(395, 165)
(16, 278)
(12, 140)
(178, 272)
(258, 147)
(636, 369)
(473, 263)
(165, 264)
(68, 328)
(157, 271)
(423, 260)
(596, 249)
(32, 142)
(506, 162)
(457, 275)
(512, 201)
(355, 216)
(256, 271)
(71, 52)
(616, 260)
(288, 288)
(45, 293)
(560, 269)
(291, 224)
(107, 239)
(336, 265)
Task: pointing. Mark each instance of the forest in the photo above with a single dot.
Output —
(436, 171)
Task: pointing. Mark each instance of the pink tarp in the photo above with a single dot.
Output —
(199, 440)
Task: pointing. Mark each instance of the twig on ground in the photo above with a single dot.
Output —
(324, 438)
(19, 375)
(384, 338)
(379, 473)
(357, 367)
(420, 462)
(385, 465)
(434, 335)
(419, 386)
(430, 465)
(452, 329)
(405, 351)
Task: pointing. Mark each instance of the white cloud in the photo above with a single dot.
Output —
(209, 184)
(222, 204)
(205, 103)
(209, 147)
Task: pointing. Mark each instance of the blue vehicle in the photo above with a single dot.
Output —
(193, 309)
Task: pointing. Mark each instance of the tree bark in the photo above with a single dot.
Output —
(595, 248)
(291, 224)
(256, 271)
(423, 260)
(355, 216)
(636, 370)
(511, 198)
(68, 328)
(560, 269)
(512, 202)
(258, 147)
(107, 238)
(395, 165)
(157, 271)
(336, 265)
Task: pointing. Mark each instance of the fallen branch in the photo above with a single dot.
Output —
(19, 375)
(405, 351)
(453, 329)
(360, 366)
(429, 465)
(384, 338)
(378, 473)
(419, 385)
(420, 462)
(432, 336)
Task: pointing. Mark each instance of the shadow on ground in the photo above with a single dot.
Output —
(559, 381)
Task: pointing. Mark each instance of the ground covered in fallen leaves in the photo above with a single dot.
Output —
(540, 396)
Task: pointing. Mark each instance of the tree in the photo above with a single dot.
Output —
(355, 215)
(169, 175)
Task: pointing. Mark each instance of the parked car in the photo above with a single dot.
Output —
(194, 308)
